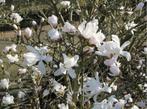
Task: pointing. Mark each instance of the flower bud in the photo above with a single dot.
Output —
(53, 20)
(28, 32)
(8, 99)
(54, 34)
(42, 19)
(4, 83)
(65, 4)
(34, 23)
(15, 26)
(12, 7)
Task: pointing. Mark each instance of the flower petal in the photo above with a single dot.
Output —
(72, 73)
(60, 71)
(111, 61)
(41, 67)
(116, 39)
(126, 54)
(125, 44)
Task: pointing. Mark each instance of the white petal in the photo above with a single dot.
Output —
(111, 61)
(125, 44)
(31, 49)
(30, 58)
(114, 70)
(41, 67)
(81, 27)
(60, 71)
(72, 73)
(47, 58)
(115, 38)
(126, 54)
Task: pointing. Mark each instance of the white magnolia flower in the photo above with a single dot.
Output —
(45, 92)
(12, 7)
(54, 34)
(88, 30)
(114, 68)
(111, 103)
(53, 20)
(65, 4)
(11, 47)
(128, 98)
(57, 87)
(93, 87)
(97, 39)
(63, 106)
(105, 104)
(4, 83)
(22, 70)
(28, 32)
(12, 59)
(139, 6)
(69, 28)
(35, 55)
(21, 94)
(130, 25)
(113, 47)
(66, 66)
(16, 17)
(7, 100)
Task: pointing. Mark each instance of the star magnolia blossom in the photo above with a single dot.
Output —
(37, 55)
(130, 25)
(65, 4)
(69, 28)
(89, 31)
(4, 83)
(66, 66)
(12, 59)
(8, 99)
(113, 48)
(113, 65)
(63, 106)
(111, 103)
(93, 87)
(11, 47)
(16, 17)
(22, 70)
(57, 87)
(21, 95)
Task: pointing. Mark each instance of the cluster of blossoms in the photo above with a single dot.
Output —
(55, 72)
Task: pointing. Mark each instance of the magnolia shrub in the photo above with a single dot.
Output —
(97, 62)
